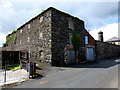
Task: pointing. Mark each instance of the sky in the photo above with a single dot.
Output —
(98, 15)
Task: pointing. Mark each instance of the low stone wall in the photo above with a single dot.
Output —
(106, 50)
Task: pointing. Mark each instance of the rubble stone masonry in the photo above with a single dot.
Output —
(106, 50)
(45, 36)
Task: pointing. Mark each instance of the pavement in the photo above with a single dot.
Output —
(99, 74)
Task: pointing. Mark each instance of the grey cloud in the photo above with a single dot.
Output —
(119, 11)
(105, 9)
(99, 14)
(94, 14)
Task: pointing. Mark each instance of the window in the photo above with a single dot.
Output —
(86, 39)
(70, 23)
(21, 31)
(28, 39)
(29, 53)
(40, 35)
(41, 19)
(20, 41)
(70, 36)
(28, 25)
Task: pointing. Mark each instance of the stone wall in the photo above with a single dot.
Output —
(46, 36)
(34, 37)
(61, 34)
(106, 50)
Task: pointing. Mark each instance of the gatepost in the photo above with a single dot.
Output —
(31, 69)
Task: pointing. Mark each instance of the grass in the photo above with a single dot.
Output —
(14, 68)
(39, 73)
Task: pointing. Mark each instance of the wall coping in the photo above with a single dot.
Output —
(107, 43)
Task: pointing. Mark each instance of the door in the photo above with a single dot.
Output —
(69, 56)
(90, 53)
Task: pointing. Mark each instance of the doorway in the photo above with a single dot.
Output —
(90, 53)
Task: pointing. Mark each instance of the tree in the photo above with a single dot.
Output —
(75, 41)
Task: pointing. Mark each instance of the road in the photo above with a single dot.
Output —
(99, 74)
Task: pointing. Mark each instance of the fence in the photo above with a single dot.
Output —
(10, 57)
(12, 74)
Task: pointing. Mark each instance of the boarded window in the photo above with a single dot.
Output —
(21, 31)
(86, 39)
(20, 41)
(28, 39)
(70, 36)
(29, 53)
(28, 25)
(41, 19)
(40, 35)
(70, 23)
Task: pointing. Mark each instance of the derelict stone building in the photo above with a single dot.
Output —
(46, 36)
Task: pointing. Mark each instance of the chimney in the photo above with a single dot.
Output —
(100, 36)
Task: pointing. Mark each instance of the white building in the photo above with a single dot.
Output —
(114, 40)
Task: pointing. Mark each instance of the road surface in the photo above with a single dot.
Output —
(99, 74)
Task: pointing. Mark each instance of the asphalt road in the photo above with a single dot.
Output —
(99, 74)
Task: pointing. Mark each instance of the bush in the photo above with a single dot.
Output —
(75, 41)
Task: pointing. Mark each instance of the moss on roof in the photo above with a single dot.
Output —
(14, 31)
(35, 17)
(50, 8)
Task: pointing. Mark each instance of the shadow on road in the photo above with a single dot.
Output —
(104, 63)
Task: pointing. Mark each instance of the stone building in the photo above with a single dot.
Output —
(100, 36)
(46, 36)
(114, 40)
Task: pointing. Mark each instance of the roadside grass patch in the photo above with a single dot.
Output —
(14, 68)
(40, 74)
(37, 75)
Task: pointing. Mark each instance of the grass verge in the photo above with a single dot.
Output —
(14, 68)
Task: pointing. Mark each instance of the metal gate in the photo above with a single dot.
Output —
(90, 53)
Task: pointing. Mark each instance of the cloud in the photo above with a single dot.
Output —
(12, 16)
(109, 31)
(14, 13)
(95, 14)
(2, 39)
(7, 12)
(98, 14)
